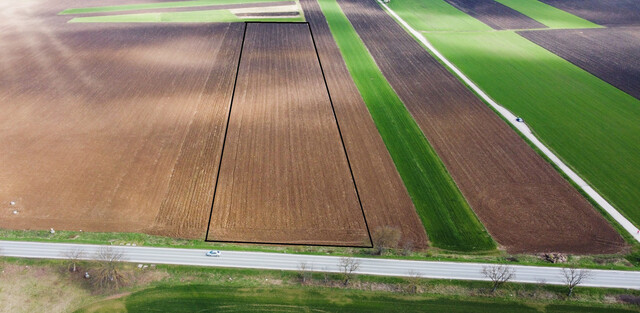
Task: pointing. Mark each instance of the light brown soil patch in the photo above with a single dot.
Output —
(284, 175)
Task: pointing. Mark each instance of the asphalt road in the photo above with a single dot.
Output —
(283, 261)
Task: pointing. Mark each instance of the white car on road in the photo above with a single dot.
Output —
(215, 253)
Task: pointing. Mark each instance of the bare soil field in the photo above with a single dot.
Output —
(608, 53)
(111, 127)
(284, 175)
(524, 203)
(606, 13)
(383, 196)
(495, 14)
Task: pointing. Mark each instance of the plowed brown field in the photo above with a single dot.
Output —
(495, 14)
(384, 198)
(524, 203)
(107, 120)
(608, 53)
(608, 13)
(284, 175)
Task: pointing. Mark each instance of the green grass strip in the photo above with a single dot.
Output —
(157, 5)
(202, 16)
(590, 124)
(209, 298)
(548, 15)
(435, 16)
(447, 218)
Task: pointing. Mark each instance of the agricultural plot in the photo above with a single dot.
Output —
(199, 11)
(383, 195)
(607, 13)
(609, 53)
(524, 203)
(284, 175)
(495, 14)
(108, 120)
(548, 15)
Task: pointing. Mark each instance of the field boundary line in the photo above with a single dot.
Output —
(226, 130)
(335, 117)
(344, 147)
(523, 129)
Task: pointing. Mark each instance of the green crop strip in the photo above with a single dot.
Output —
(435, 16)
(445, 214)
(157, 5)
(548, 15)
(203, 16)
(208, 298)
(590, 124)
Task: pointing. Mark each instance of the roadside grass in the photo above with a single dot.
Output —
(629, 262)
(446, 216)
(201, 16)
(590, 124)
(548, 15)
(152, 289)
(198, 298)
(156, 5)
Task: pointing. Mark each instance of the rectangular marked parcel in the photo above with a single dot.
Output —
(284, 174)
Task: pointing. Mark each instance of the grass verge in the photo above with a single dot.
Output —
(446, 216)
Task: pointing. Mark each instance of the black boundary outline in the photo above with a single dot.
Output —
(364, 217)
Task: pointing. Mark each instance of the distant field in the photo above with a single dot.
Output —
(548, 15)
(446, 216)
(204, 298)
(607, 13)
(155, 5)
(495, 14)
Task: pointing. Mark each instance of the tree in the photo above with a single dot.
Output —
(108, 275)
(413, 281)
(385, 238)
(574, 277)
(498, 274)
(304, 271)
(347, 267)
(74, 256)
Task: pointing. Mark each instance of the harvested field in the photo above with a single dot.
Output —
(608, 53)
(495, 14)
(284, 175)
(111, 128)
(607, 13)
(524, 203)
(383, 195)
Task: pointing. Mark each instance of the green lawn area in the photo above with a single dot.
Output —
(426, 15)
(156, 5)
(202, 16)
(548, 15)
(207, 298)
(590, 124)
(445, 214)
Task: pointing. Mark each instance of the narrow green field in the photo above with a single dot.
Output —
(426, 15)
(590, 124)
(156, 5)
(446, 216)
(205, 298)
(202, 16)
(548, 15)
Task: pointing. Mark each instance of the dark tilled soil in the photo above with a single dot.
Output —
(612, 54)
(603, 12)
(284, 175)
(524, 203)
(495, 14)
(384, 198)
